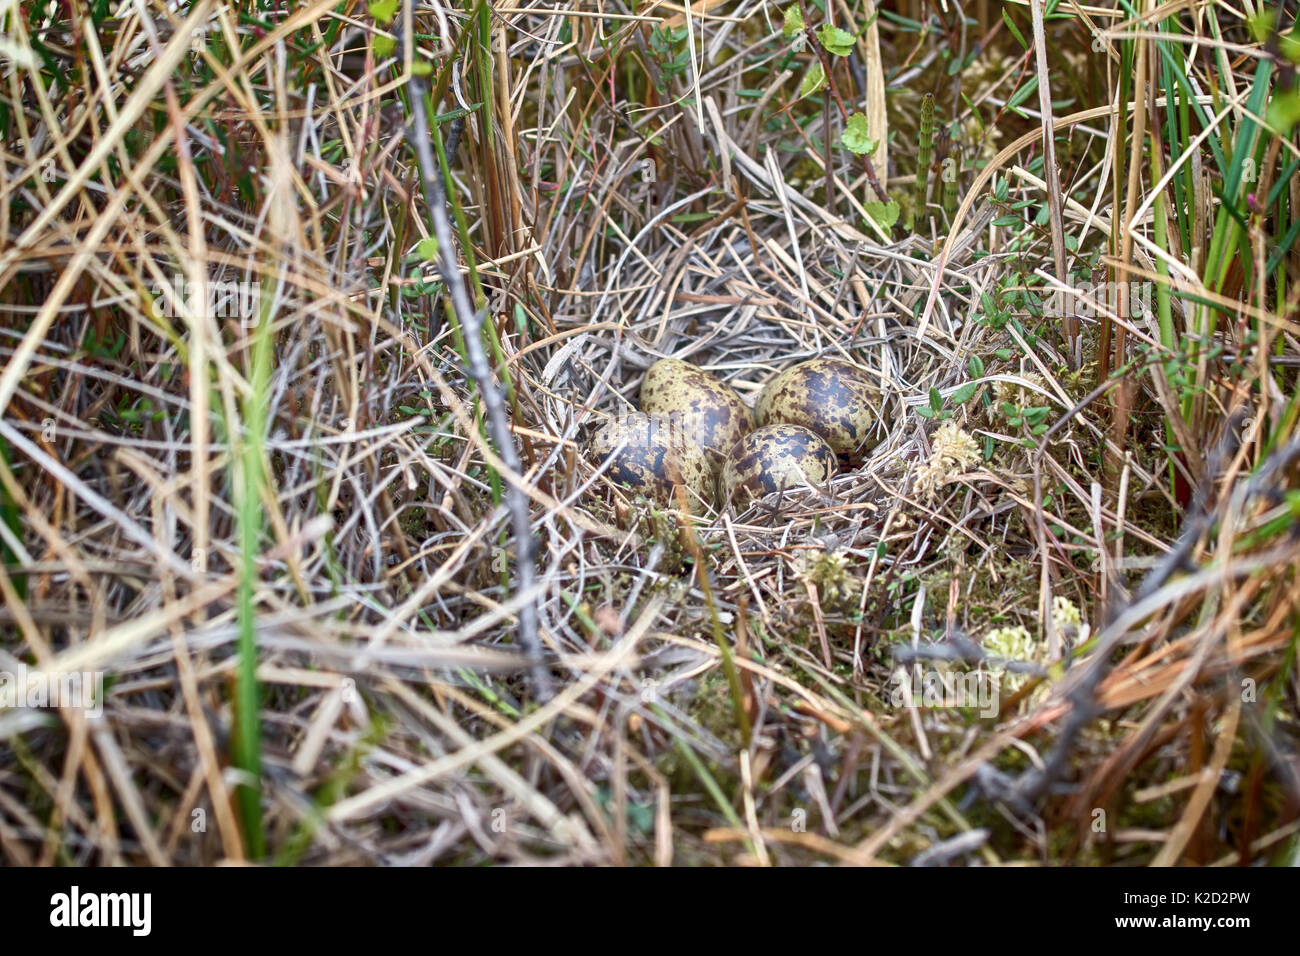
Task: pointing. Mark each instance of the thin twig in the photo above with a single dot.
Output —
(480, 370)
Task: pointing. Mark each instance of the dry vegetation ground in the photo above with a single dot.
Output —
(264, 466)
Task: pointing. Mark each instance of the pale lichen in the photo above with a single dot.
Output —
(953, 452)
(1068, 622)
(1021, 395)
(829, 572)
(1017, 644)
(1012, 644)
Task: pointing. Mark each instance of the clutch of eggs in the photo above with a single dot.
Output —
(695, 432)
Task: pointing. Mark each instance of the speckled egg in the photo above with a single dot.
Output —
(654, 459)
(773, 458)
(704, 408)
(838, 401)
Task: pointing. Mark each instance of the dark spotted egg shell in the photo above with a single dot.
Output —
(838, 401)
(773, 458)
(708, 411)
(653, 460)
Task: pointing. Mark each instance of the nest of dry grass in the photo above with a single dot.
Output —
(263, 477)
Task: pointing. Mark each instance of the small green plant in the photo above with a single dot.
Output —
(1031, 419)
(924, 151)
(833, 45)
(671, 54)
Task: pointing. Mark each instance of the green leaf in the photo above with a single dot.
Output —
(384, 47)
(427, 248)
(884, 214)
(1015, 31)
(965, 393)
(836, 41)
(1022, 93)
(813, 81)
(1284, 112)
(936, 399)
(1261, 25)
(1288, 44)
(383, 10)
(924, 412)
(793, 22)
(976, 366)
(641, 816)
(855, 138)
